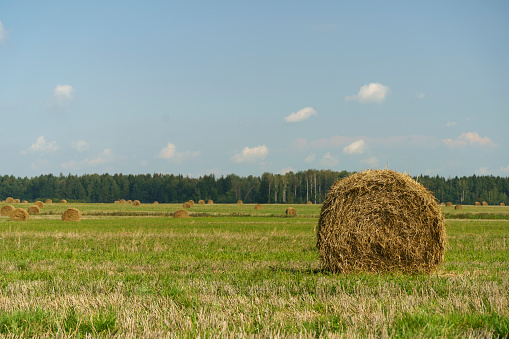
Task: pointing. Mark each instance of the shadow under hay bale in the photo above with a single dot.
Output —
(7, 210)
(33, 210)
(181, 214)
(71, 214)
(19, 214)
(380, 221)
(291, 211)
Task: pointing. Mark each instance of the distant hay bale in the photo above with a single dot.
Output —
(33, 210)
(201, 202)
(310, 203)
(191, 202)
(24, 202)
(448, 204)
(136, 203)
(186, 205)
(19, 214)
(210, 202)
(48, 201)
(239, 202)
(291, 211)
(458, 207)
(16, 201)
(181, 214)
(442, 204)
(7, 210)
(502, 204)
(71, 214)
(39, 204)
(129, 202)
(63, 201)
(484, 203)
(122, 201)
(258, 207)
(9, 200)
(379, 221)
(116, 202)
(477, 203)
(156, 202)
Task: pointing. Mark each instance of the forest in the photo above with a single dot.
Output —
(293, 188)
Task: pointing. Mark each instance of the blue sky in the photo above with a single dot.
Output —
(222, 87)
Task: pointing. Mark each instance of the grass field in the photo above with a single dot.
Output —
(231, 270)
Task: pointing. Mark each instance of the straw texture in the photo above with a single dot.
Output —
(71, 214)
(19, 214)
(181, 214)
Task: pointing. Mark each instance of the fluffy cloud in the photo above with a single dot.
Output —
(3, 32)
(329, 160)
(251, 154)
(42, 146)
(167, 152)
(310, 158)
(301, 115)
(63, 95)
(80, 145)
(470, 138)
(287, 170)
(356, 147)
(373, 92)
(106, 156)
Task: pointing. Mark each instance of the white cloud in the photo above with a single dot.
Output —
(470, 138)
(251, 154)
(42, 146)
(167, 152)
(451, 124)
(301, 115)
(371, 162)
(3, 32)
(287, 170)
(63, 95)
(310, 158)
(373, 92)
(329, 160)
(356, 147)
(106, 156)
(80, 145)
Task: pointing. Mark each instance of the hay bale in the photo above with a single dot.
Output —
(122, 201)
(458, 207)
(380, 220)
(136, 203)
(448, 204)
(33, 210)
(24, 202)
(310, 203)
(186, 205)
(191, 202)
(129, 202)
(484, 203)
(48, 201)
(7, 210)
(239, 202)
(258, 207)
(181, 214)
(17, 201)
(477, 203)
(19, 214)
(201, 202)
(71, 214)
(156, 202)
(502, 204)
(291, 211)
(63, 201)
(210, 202)
(39, 204)
(442, 204)
(9, 200)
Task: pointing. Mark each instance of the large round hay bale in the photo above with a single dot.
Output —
(380, 220)
(33, 209)
(258, 207)
(186, 205)
(291, 211)
(156, 202)
(24, 202)
(484, 203)
(191, 202)
(129, 202)
(310, 203)
(71, 214)
(136, 203)
(39, 204)
(122, 201)
(181, 214)
(477, 203)
(201, 202)
(63, 201)
(19, 214)
(502, 204)
(7, 210)
(210, 202)
(17, 201)
(9, 200)
(458, 207)
(239, 202)
(448, 204)
(48, 201)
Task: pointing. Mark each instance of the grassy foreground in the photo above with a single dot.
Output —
(232, 270)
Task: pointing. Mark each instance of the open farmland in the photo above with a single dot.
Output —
(230, 269)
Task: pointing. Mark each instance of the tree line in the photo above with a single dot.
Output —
(293, 188)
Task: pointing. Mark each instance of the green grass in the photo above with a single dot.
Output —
(234, 271)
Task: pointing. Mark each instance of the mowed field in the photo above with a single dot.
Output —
(231, 270)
